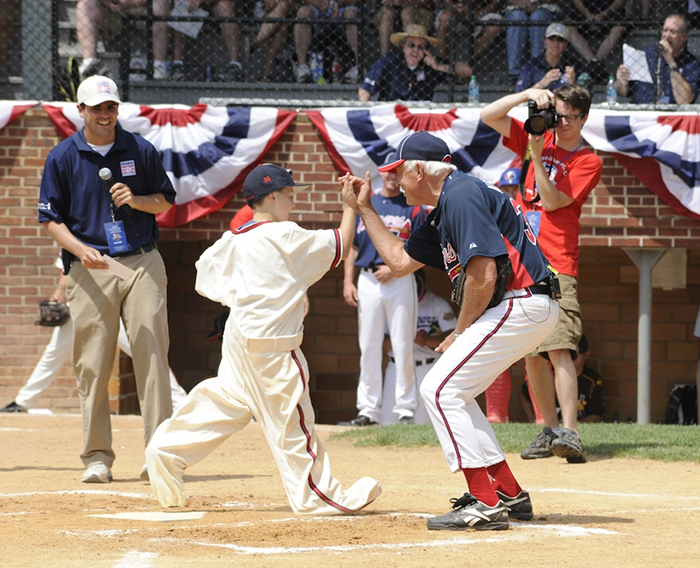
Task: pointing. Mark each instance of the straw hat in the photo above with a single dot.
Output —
(412, 30)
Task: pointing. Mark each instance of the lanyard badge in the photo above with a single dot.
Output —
(116, 237)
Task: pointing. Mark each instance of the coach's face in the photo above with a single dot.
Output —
(415, 185)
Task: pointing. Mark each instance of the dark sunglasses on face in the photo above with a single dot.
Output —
(421, 46)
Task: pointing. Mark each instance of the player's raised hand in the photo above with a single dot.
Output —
(348, 190)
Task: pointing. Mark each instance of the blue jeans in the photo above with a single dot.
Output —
(516, 37)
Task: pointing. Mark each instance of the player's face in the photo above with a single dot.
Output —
(100, 122)
(284, 203)
(390, 185)
(414, 49)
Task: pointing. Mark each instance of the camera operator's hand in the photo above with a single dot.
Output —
(536, 147)
(543, 97)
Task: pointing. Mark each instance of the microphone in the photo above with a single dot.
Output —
(659, 59)
(106, 175)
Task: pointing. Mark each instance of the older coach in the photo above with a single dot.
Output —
(479, 237)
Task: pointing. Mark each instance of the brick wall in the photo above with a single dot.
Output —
(620, 213)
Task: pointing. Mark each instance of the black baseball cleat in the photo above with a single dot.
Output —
(470, 513)
(407, 420)
(13, 407)
(519, 507)
(362, 421)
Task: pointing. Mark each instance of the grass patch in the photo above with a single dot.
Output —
(653, 441)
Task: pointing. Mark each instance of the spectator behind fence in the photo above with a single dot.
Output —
(325, 11)
(230, 32)
(591, 392)
(409, 12)
(516, 36)
(9, 17)
(675, 73)
(552, 68)
(607, 37)
(105, 16)
(449, 13)
(275, 32)
(411, 75)
(95, 224)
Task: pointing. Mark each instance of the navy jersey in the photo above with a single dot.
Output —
(474, 218)
(399, 217)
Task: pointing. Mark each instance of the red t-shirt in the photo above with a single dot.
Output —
(573, 173)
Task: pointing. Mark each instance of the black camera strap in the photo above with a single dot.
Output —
(527, 160)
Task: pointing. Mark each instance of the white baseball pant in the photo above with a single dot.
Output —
(500, 337)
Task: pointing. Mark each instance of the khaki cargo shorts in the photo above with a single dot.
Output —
(569, 328)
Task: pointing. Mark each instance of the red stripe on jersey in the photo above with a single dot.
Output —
(456, 369)
(338, 249)
(248, 227)
(309, 449)
(521, 277)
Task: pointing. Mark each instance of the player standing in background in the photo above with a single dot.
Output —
(561, 176)
(503, 286)
(384, 302)
(436, 320)
(261, 271)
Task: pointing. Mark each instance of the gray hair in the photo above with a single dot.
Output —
(431, 168)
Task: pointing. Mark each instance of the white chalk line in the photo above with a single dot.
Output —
(609, 493)
(135, 559)
(81, 492)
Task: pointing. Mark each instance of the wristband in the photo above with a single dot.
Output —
(674, 68)
(457, 333)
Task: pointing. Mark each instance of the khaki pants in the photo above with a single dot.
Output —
(97, 299)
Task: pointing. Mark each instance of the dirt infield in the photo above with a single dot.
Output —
(605, 513)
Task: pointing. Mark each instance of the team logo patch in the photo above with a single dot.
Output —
(128, 168)
(267, 179)
(103, 88)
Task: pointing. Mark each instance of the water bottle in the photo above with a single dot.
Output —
(316, 66)
(611, 92)
(473, 91)
(336, 69)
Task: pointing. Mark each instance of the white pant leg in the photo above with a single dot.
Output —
(204, 421)
(401, 308)
(177, 393)
(371, 326)
(276, 390)
(499, 338)
(388, 415)
(56, 355)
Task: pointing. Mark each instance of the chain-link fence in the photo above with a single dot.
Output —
(282, 52)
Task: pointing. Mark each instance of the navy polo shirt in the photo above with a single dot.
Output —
(72, 192)
(393, 80)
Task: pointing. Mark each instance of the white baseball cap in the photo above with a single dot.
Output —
(557, 30)
(96, 90)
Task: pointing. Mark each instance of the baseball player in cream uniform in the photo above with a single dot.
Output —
(436, 320)
(262, 271)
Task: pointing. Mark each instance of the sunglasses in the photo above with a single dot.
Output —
(421, 46)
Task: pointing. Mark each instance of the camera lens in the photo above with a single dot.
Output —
(537, 124)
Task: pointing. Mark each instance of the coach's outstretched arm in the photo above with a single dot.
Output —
(388, 245)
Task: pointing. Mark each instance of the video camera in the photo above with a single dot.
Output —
(540, 120)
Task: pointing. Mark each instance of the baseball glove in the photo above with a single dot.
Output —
(53, 314)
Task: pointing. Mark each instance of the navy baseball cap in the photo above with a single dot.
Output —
(266, 178)
(510, 177)
(419, 146)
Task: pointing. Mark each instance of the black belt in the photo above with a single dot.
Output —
(140, 250)
(419, 362)
(539, 289)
